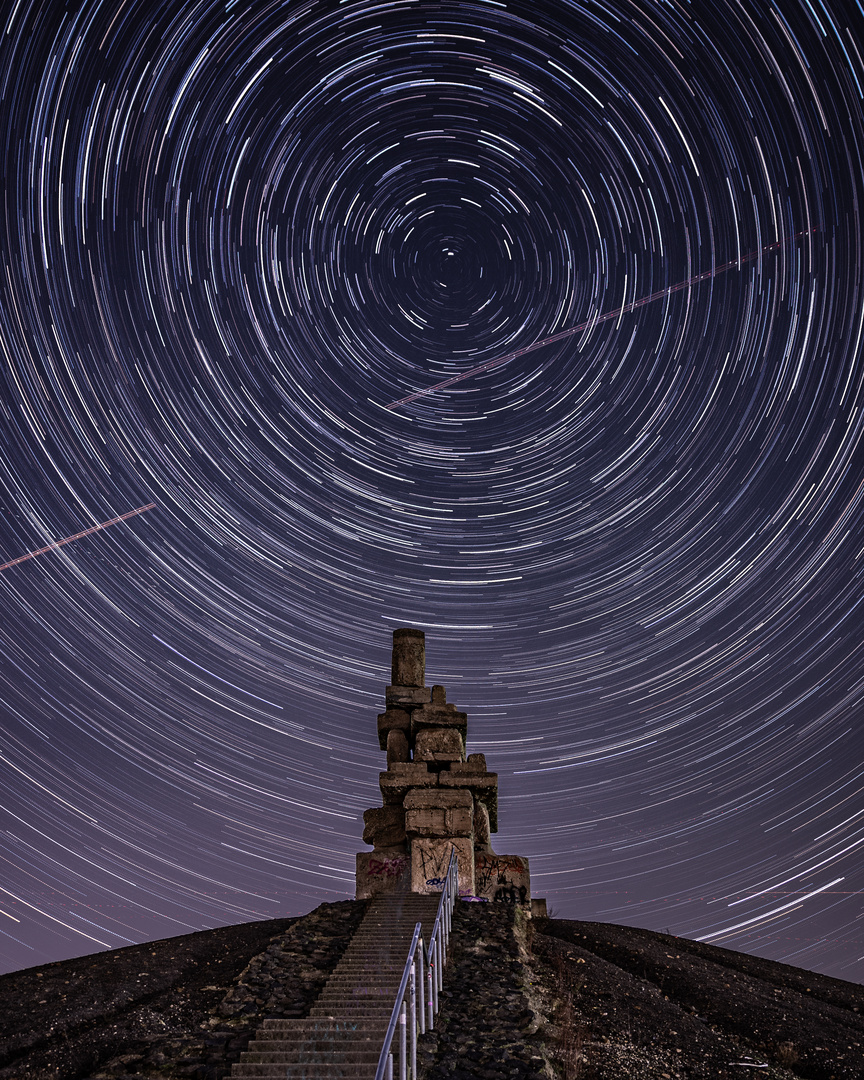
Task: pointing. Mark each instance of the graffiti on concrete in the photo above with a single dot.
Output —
(502, 878)
(386, 868)
(510, 894)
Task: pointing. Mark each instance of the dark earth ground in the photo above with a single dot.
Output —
(523, 998)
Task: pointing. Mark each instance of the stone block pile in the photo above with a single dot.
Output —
(435, 797)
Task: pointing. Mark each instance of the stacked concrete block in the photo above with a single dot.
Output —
(435, 799)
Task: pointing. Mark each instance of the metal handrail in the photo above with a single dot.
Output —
(440, 938)
(409, 985)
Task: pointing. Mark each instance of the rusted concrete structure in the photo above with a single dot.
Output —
(434, 796)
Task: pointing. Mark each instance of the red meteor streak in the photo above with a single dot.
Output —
(77, 536)
(589, 322)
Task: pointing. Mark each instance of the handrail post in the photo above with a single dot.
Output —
(402, 1043)
(421, 987)
(429, 996)
(412, 997)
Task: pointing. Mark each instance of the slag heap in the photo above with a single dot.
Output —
(434, 797)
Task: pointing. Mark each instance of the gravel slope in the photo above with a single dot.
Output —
(523, 999)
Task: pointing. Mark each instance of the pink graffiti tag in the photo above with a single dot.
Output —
(386, 868)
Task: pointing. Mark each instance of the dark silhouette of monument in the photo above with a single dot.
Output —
(434, 797)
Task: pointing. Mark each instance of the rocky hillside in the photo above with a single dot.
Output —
(524, 999)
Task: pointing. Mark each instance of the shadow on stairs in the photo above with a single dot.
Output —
(345, 1029)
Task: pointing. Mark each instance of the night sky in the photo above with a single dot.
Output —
(233, 235)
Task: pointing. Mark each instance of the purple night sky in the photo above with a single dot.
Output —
(233, 236)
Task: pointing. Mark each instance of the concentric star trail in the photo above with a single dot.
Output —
(229, 234)
(616, 313)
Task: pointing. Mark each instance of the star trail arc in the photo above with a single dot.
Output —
(231, 234)
(571, 331)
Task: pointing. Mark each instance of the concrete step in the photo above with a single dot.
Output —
(335, 1055)
(387, 944)
(350, 980)
(361, 974)
(307, 1071)
(273, 1029)
(347, 1004)
(388, 949)
(388, 941)
(372, 972)
(390, 936)
(356, 994)
(351, 1011)
(375, 961)
(356, 1012)
(360, 969)
(316, 1039)
(391, 944)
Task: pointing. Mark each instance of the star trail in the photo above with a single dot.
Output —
(606, 258)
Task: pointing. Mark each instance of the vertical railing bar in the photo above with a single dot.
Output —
(421, 987)
(412, 997)
(430, 1002)
(402, 1054)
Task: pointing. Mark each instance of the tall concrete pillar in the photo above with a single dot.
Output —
(409, 657)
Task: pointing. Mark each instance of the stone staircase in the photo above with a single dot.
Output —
(344, 1032)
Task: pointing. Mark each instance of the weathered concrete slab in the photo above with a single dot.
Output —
(402, 777)
(502, 878)
(438, 716)
(429, 859)
(380, 872)
(475, 763)
(437, 744)
(398, 750)
(483, 787)
(407, 695)
(438, 813)
(482, 839)
(385, 827)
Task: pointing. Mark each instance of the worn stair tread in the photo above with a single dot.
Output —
(312, 1023)
(308, 1071)
(348, 1008)
(313, 1038)
(361, 1052)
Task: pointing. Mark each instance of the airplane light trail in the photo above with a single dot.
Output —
(498, 360)
(77, 536)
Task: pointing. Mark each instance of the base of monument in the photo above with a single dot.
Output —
(500, 879)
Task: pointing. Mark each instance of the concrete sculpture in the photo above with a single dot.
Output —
(435, 798)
